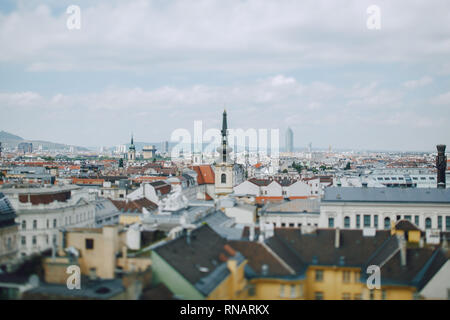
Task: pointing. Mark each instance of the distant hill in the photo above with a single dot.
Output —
(11, 141)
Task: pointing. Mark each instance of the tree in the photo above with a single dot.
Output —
(285, 171)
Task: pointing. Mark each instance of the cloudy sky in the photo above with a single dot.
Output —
(150, 67)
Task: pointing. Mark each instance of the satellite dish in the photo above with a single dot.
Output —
(33, 280)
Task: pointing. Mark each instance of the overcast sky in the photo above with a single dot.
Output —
(150, 67)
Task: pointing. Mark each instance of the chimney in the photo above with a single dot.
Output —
(402, 251)
(264, 269)
(337, 238)
(188, 237)
(252, 232)
(441, 166)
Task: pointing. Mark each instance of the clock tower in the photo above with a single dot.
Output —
(224, 166)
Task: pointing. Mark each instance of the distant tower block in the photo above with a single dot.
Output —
(149, 152)
(441, 166)
(289, 142)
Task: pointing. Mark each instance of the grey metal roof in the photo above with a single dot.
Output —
(394, 195)
(7, 212)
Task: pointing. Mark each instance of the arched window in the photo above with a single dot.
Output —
(347, 222)
(428, 223)
(387, 223)
(223, 178)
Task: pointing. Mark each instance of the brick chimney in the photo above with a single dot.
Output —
(441, 166)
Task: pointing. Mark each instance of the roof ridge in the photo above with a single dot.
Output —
(289, 247)
(416, 280)
(379, 249)
(278, 258)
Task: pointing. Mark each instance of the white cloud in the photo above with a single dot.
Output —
(412, 84)
(442, 99)
(222, 35)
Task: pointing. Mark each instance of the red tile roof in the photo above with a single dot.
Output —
(134, 206)
(205, 174)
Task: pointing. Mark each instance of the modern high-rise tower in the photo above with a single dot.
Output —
(289, 142)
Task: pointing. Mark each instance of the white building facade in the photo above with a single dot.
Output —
(378, 208)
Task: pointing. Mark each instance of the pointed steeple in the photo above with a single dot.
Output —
(224, 123)
(132, 147)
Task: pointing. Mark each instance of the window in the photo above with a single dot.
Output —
(375, 221)
(89, 243)
(357, 296)
(54, 239)
(447, 223)
(440, 222)
(223, 178)
(408, 217)
(399, 217)
(428, 223)
(33, 240)
(358, 222)
(387, 223)
(330, 222)
(48, 223)
(319, 275)
(383, 294)
(318, 295)
(300, 290)
(346, 276)
(54, 223)
(357, 276)
(24, 224)
(347, 222)
(346, 296)
(291, 225)
(416, 220)
(46, 238)
(366, 220)
(34, 224)
(293, 291)
(282, 290)
(24, 241)
(251, 290)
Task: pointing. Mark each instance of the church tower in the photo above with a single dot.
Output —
(132, 151)
(224, 166)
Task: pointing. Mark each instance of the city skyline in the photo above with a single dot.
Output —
(316, 69)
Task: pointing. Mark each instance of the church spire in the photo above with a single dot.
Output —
(224, 123)
(224, 137)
